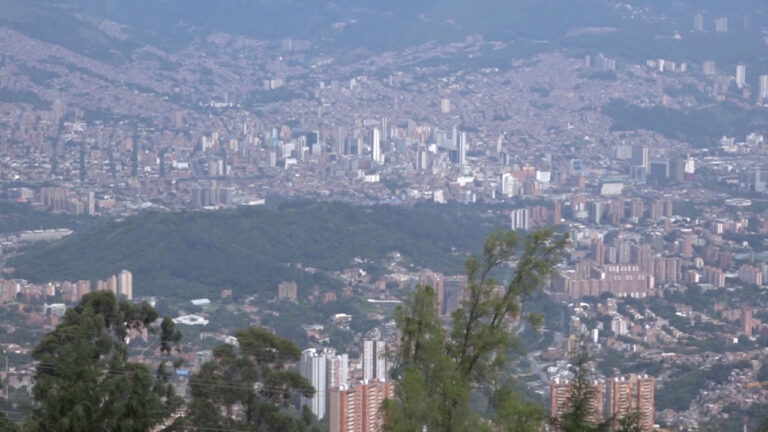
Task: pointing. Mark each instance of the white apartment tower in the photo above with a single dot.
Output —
(125, 284)
(741, 76)
(376, 153)
(462, 156)
(324, 370)
(374, 360)
(764, 87)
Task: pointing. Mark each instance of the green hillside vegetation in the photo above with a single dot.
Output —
(701, 127)
(251, 250)
(16, 217)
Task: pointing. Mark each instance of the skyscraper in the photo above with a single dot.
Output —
(698, 22)
(633, 393)
(445, 106)
(462, 149)
(708, 67)
(338, 371)
(721, 25)
(358, 408)
(741, 75)
(125, 284)
(560, 391)
(640, 156)
(325, 371)
(520, 219)
(764, 87)
(314, 368)
(374, 360)
(376, 146)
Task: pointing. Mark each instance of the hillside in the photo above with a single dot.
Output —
(251, 250)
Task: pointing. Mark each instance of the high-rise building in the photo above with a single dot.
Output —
(376, 146)
(374, 360)
(462, 149)
(520, 219)
(640, 156)
(632, 394)
(560, 393)
(445, 106)
(510, 185)
(314, 368)
(557, 214)
(721, 25)
(422, 159)
(597, 252)
(741, 75)
(125, 284)
(288, 291)
(325, 371)
(708, 67)
(698, 22)
(337, 374)
(747, 321)
(764, 87)
(436, 281)
(358, 409)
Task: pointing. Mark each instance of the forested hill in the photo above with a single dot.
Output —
(250, 250)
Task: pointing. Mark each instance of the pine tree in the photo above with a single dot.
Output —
(84, 380)
(250, 386)
(437, 369)
(580, 415)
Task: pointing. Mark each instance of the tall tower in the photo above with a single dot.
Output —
(338, 371)
(462, 149)
(125, 284)
(374, 360)
(698, 22)
(764, 87)
(376, 153)
(741, 75)
(721, 25)
(633, 393)
(314, 368)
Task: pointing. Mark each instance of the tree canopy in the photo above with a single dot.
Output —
(437, 369)
(249, 386)
(84, 379)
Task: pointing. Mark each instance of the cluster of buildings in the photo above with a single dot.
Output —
(120, 284)
(346, 400)
(614, 398)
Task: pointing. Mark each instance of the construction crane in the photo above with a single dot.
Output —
(757, 384)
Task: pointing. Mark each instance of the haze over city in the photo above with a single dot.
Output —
(425, 215)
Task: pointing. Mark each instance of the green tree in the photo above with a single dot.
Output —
(437, 370)
(6, 425)
(581, 415)
(763, 426)
(84, 379)
(249, 386)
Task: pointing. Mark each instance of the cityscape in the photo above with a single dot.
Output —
(313, 187)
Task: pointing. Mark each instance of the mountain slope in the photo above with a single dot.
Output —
(251, 250)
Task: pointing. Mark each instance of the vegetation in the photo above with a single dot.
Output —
(251, 250)
(84, 380)
(16, 217)
(253, 377)
(700, 127)
(580, 415)
(438, 370)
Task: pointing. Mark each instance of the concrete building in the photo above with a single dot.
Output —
(630, 394)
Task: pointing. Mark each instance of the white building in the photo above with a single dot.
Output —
(125, 284)
(741, 76)
(376, 145)
(374, 360)
(324, 370)
(520, 219)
